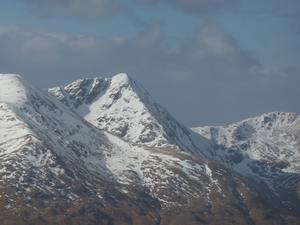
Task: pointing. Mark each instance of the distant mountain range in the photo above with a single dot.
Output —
(103, 151)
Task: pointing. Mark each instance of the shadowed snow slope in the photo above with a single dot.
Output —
(271, 137)
(265, 148)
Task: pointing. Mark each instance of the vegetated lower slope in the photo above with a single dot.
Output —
(57, 168)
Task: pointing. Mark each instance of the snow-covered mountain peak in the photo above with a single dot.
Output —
(271, 137)
(10, 76)
(55, 166)
(272, 119)
(267, 122)
(12, 89)
(39, 136)
(85, 91)
(46, 147)
(120, 78)
(123, 107)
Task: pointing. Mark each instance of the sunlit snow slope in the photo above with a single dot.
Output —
(123, 107)
(44, 145)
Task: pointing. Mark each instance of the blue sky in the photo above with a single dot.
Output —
(207, 61)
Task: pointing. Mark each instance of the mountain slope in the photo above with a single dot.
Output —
(40, 135)
(42, 138)
(53, 165)
(265, 148)
(124, 108)
(271, 137)
(57, 168)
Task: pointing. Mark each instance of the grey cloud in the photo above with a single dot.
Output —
(212, 45)
(284, 9)
(92, 8)
(81, 8)
(195, 6)
(207, 78)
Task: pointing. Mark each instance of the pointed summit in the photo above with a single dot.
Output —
(124, 108)
(120, 78)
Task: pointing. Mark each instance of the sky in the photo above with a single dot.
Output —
(209, 62)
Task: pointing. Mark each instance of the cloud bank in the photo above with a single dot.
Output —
(95, 8)
(194, 6)
(80, 8)
(203, 74)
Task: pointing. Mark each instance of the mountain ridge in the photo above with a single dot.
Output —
(274, 128)
(124, 108)
(59, 166)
